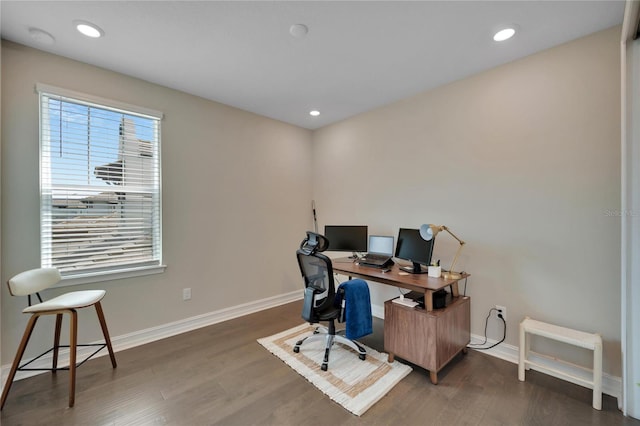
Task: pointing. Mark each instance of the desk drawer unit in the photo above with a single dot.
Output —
(428, 339)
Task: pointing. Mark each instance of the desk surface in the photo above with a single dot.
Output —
(416, 282)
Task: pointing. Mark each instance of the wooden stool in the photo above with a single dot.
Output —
(33, 281)
(581, 339)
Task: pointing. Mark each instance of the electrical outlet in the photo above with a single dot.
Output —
(186, 293)
(501, 310)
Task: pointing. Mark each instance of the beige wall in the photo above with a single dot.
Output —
(522, 162)
(236, 199)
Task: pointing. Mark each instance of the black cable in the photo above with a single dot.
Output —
(504, 334)
(486, 321)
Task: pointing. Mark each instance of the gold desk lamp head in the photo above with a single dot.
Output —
(428, 232)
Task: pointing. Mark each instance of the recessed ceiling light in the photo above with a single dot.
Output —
(314, 113)
(41, 36)
(504, 34)
(88, 29)
(298, 30)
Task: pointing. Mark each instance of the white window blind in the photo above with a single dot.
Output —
(100, 186)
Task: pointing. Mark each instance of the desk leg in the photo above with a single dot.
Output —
(390, 358)
(428, 300)
(454, 289)
(434, 377)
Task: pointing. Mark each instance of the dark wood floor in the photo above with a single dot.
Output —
(221, 375)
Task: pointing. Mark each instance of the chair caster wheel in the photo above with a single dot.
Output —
(296, 349)
(324, 367)
(362, 356)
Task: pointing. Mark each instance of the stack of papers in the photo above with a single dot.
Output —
(405, 302)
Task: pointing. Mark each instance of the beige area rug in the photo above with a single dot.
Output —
(351, 382)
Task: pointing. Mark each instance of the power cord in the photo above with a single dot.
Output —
(504, 334)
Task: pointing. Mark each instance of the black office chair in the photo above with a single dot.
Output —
(320, 296)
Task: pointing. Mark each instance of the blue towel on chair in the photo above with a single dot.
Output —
(357, 308)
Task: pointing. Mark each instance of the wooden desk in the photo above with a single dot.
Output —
(422, 283)
(429, 337)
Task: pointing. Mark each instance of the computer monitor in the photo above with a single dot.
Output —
(346, 238)
(412, 247)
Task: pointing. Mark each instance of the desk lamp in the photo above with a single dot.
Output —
(428, 231)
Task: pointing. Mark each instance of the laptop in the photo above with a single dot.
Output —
(380, 252)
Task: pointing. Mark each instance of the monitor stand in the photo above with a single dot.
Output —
(416, 268)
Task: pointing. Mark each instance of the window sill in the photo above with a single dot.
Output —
(109, 276)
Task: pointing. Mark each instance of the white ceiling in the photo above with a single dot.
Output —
(357, 55)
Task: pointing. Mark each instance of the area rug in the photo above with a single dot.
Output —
(351, 382)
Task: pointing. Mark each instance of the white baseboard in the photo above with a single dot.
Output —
(611, 385)
(377, 311)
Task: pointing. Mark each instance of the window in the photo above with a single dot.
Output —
(99, 186)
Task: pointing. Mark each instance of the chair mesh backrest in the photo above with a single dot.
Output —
(317, 272)
(33, 281)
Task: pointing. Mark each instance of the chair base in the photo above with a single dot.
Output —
(323, 333)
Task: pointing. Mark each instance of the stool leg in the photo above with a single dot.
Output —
(105, 332)
(527, 350)
(523, 350)
(597, 377)
(16, 361)
(73, 341)
(56, 342)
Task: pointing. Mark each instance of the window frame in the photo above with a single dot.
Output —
(84, 277)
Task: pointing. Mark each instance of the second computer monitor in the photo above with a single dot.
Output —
(412, 247)
(346, 238)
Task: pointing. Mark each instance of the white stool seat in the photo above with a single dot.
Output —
(564, 334)
(72, 300)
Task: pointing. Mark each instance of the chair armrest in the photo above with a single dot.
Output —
(308, 305)
(340, 298)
